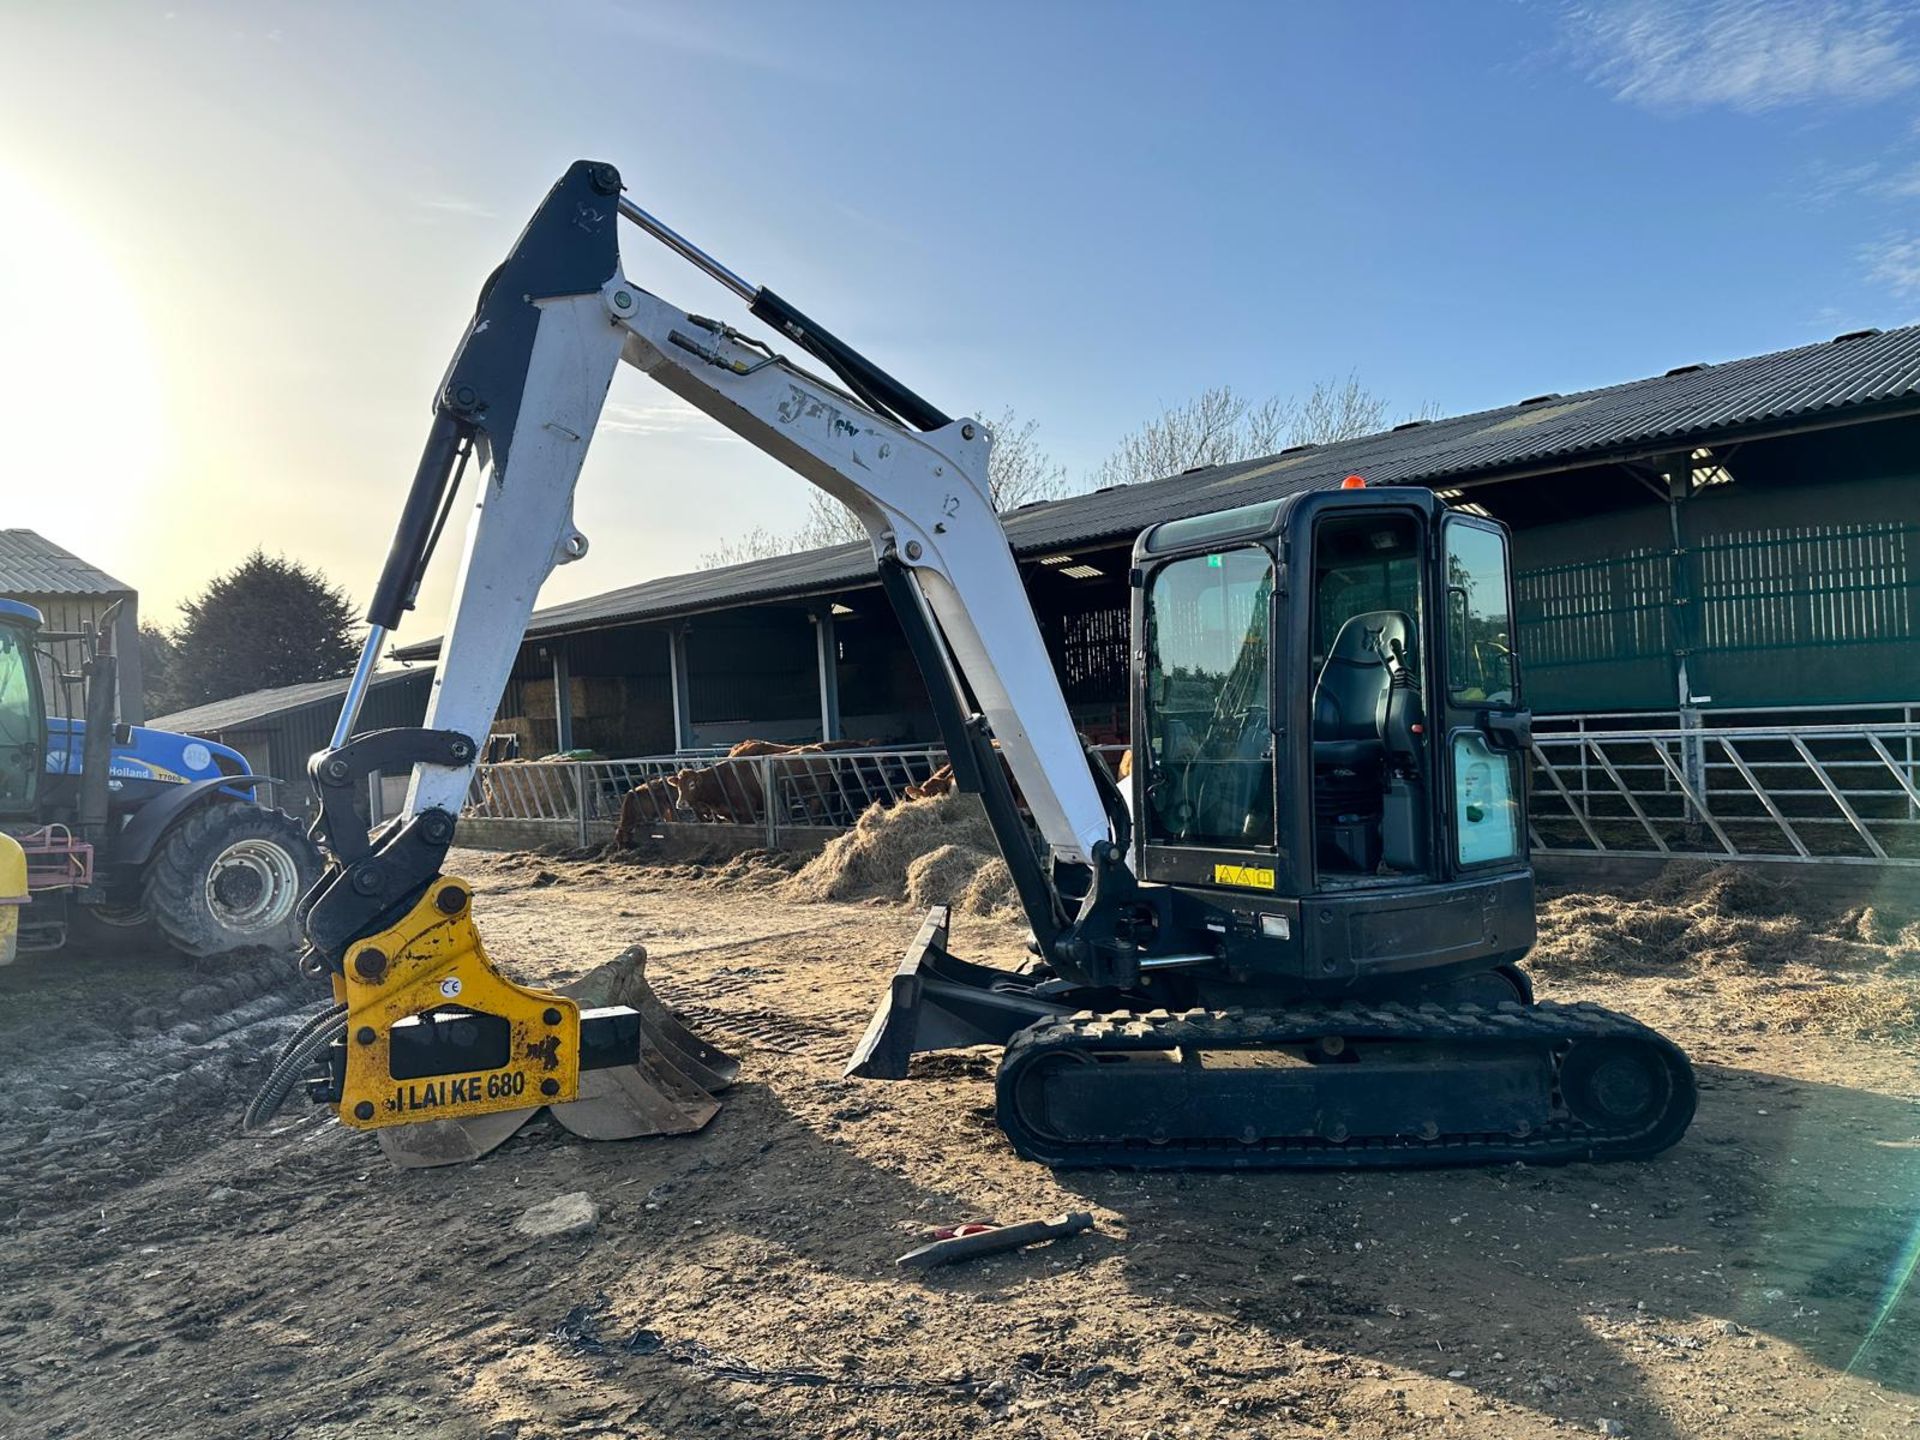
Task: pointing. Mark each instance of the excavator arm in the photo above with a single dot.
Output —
(523, 397)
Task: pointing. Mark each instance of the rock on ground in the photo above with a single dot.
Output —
(570, 1214)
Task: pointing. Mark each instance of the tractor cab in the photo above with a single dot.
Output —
(23, 724)
(1327, 702)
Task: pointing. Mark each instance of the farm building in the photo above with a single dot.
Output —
(74, 597)
(1723, 539)
(278, 729)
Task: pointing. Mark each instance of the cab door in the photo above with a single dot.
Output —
(1488, 727)
(1205, 744)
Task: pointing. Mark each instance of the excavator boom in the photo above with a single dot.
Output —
(522, 398)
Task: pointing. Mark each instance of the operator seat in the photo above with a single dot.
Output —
(1350, 698)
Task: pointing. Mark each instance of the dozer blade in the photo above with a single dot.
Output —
(667, 1089)
(450, 1142)
(935, 1002)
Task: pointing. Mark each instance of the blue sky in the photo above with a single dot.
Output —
(245, 237)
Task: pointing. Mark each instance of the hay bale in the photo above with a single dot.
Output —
(871, 860)
(972, 881)
(990, 891)
(941, 877)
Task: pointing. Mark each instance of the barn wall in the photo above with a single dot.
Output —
(1795, 579)
(1804, 575)
(279, 744)
(1794, 584)
(73, 613)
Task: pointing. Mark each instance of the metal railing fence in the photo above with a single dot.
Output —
(821, 789)
(1844, 793)
(1837, 793)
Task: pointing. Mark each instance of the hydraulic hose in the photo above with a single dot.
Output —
(297, 1056)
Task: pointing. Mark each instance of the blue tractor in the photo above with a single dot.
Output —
(127, 828)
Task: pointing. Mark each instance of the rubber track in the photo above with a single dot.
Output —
(1560, 1138)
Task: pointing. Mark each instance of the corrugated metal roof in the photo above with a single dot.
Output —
(259, 706)
(31, 564)
(1859, 376)
(808, 573)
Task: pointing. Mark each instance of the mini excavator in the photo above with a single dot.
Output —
(1294, 940)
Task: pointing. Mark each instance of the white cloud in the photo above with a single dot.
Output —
(670, 416)
(1895, 264)
(455, 205)
(1744, 54)
(1904, 184)
(1823, 183)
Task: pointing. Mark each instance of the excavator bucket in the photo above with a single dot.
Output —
(668, 1089)
(450, 1142)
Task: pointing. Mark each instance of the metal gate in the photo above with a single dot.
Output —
(1844, 793)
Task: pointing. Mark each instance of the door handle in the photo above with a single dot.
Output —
(1509, 730)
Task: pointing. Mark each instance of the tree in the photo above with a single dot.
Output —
(1019, 473)
(1340, 410)
(1216, 427)
(159, 661)
(759, 543)
(1221, 426)
(268, 622)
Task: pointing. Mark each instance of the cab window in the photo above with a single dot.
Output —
(1480, 669)
(1209, 760)
(20, 722)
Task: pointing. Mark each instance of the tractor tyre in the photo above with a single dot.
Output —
(230, 877)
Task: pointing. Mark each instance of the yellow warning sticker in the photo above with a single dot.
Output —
(1252, 877)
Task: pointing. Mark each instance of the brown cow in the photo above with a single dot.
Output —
(940, 782)
(723, 792)
(645, 804)
(729, 792)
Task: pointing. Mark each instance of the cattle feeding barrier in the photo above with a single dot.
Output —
(1843, 793)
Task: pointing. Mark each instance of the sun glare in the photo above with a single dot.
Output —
(80, 395)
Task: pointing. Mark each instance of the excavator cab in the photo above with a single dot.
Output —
(1327, 709)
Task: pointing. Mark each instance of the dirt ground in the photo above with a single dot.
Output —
(160, 1275)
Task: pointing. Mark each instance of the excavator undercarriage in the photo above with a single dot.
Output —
(1461, 1072)
(1290, 937)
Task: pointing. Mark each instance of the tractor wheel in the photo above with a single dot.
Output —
(229, 877)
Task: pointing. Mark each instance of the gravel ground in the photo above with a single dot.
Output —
(160, 1275)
